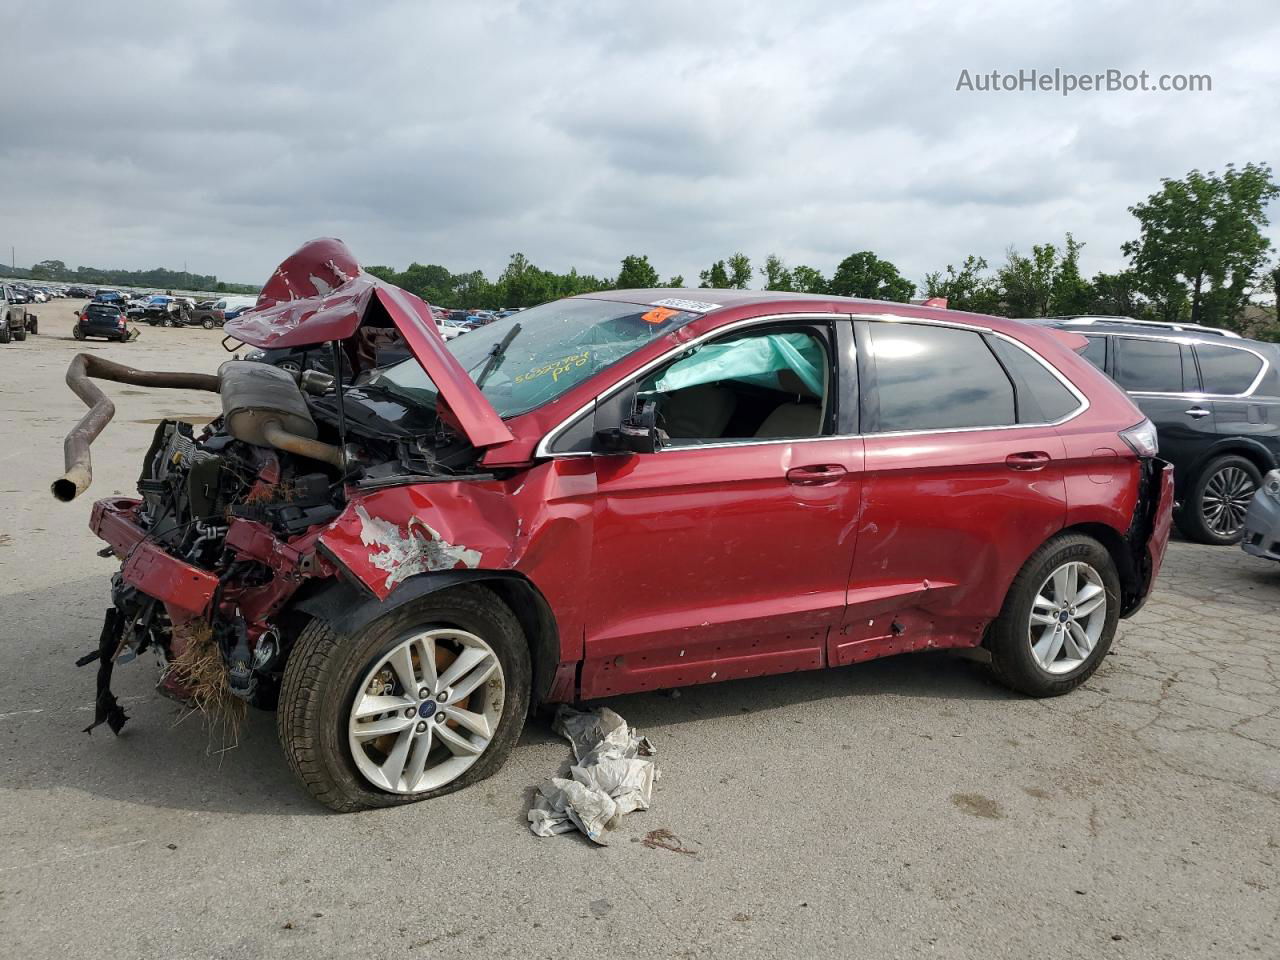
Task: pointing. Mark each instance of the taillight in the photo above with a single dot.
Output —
(1142, 438)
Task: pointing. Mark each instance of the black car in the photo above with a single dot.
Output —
(101, 320)
(1215, 400)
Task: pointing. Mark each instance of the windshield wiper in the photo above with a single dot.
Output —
(496, 354)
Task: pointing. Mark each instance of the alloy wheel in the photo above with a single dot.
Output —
(426, 711)
(1068, 616)
(1226, 500)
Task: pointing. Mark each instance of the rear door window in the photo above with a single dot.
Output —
(1149, 366)
(938, 378)
(1226, 370)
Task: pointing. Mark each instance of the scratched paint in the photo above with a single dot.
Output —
(404, 553)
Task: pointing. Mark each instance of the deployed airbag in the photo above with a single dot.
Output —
(756, 360)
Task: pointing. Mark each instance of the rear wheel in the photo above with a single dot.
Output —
(4, 331)
(424, 701)
(166, 322)
(78, 332)
(20, 333)
(1218, 500)
(1058, 619)
(207, 323)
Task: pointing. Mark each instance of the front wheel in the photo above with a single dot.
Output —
(425, 700)
(166, 322)
(4, 331)
(1058, 619)
(1218, 500)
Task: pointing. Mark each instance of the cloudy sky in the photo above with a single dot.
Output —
(223, 134)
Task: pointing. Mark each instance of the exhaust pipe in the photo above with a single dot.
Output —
(79, 467)
(262, 426)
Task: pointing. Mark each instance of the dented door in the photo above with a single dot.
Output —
(716, 563)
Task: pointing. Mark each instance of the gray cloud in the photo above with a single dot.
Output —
(225, 133)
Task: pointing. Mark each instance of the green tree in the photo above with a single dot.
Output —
(1117, 295)
(677, 281)
(808, 280)
(739, 271)
(1027, 282)
(968, 288)
(866, 275)
(775, 273)
(715, 277)
(49, 270)
(1202, 235)
(1069, 293)
(636, 274)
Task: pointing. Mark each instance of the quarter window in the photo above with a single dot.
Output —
(1225, 370)
(1096, 352)
(1042, 397)
(938, 378)
(1153, 366)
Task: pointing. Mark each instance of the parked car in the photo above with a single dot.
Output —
(611, 493)
(105, 320)
(15, 322)
(232, 307)
(207, 314)
(110, 296)
(1215, 401)
(76, 292)
(1262, 522)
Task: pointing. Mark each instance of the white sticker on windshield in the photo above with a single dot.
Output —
(699, 306)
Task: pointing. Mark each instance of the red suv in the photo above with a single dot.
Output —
(622, 491)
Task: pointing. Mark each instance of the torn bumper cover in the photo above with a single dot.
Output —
(1148, 535)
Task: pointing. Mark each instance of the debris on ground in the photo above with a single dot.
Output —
(612, 776)
(664, 839)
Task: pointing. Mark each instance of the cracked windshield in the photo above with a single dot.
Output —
(534, 356)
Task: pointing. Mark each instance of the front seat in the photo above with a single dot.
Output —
(697, 413)
(801, 417)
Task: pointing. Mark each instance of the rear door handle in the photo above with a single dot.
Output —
(816, 474)
(1196, 412)
(1027, 460)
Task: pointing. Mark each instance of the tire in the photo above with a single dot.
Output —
(4, 331)
(207, 323)
(166, 322)
(77, 332)
(325, 673)
(290, 366)
(1226, 482)
(20, 334)
(1013, 639)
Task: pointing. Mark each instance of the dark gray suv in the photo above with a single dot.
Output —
(1215, 400)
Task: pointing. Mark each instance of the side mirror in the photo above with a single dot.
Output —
(638, 433)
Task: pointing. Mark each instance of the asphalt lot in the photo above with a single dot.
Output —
(901, 808)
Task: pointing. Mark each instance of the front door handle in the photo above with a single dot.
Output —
(1196, 412)
(1027, 460)
(816, 474)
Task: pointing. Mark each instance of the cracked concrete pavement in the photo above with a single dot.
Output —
(902, 808)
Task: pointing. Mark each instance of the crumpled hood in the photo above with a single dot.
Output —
(320, 293)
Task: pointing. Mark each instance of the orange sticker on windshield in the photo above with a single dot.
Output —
(658, 315)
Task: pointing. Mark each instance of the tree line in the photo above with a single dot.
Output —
(1200, 257)
(159, 278)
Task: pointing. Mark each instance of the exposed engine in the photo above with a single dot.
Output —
(241, 504)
